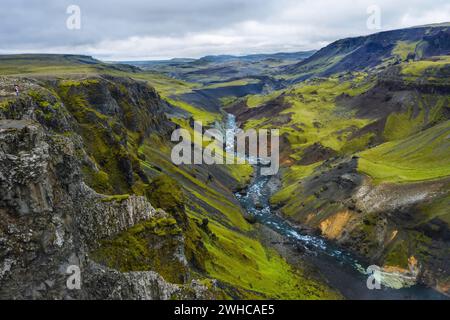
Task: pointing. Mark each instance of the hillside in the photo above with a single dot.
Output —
(377, 50)
(365, 126)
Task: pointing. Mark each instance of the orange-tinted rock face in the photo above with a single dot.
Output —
(333, 226)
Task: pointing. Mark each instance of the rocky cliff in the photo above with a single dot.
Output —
(51, 220)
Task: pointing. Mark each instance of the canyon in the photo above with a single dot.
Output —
(87, 178)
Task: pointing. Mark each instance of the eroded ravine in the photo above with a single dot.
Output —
(341, 269)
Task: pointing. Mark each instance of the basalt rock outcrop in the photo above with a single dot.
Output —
(51, 220)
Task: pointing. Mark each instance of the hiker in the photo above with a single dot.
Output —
(16, 89)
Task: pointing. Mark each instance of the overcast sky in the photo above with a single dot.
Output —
(160, 29)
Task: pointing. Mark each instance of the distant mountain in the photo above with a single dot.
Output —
(32, 63)
(225, 58)
(259, 57)
(359, 53)
(145, 63)
(223, 67)
(61, 58)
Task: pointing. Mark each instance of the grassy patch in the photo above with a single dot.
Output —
(256, 100)
(315, 116)
(401, 125)
(398, 255)
(290, 183)
(241, 173)
(206, 117)
(358, 144)
(118, 198)
(422, 156)
(418, 68)
(404, 48)
(240, 82)
(165, 85)
(243, 262)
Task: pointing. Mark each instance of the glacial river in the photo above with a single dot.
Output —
(341, 270)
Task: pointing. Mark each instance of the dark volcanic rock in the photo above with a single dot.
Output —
(50, 220)
(316, 152)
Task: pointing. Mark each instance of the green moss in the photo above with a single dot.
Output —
(358, 144)
(97, 180)
(199, 114)
(242, 173)
(257, 100)
(401, 125)
(195, 249)
(225, 101)
(257, 123)
(77, 83)
(431, 110)
(315, 115)
(48, 111)
(207, 247)
(199, 191)
(117, 197)
(151, 245)
(244, 263)
(403, 49)
(422, 156)
(419, 68)
(226, 249)
(44, 64)
(4, 103)
(165, 85)
(290, 186)
(410, 243)
(164, 192)
(37, 96)
(107, 141)
(240, 82)
(398, 256)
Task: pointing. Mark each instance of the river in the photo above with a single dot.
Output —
(342, 270)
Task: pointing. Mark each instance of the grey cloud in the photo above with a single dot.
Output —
(43, 23)
(167, 28)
